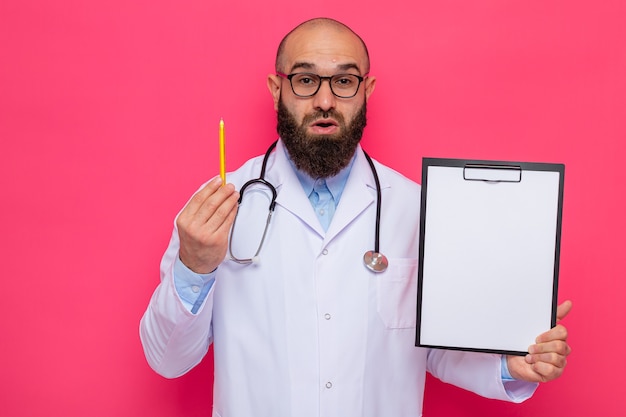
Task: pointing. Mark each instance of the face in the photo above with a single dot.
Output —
(321, 132)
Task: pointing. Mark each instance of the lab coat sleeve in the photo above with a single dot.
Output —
(477, 372)
(174, 339)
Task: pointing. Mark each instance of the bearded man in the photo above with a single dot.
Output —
(300, 325)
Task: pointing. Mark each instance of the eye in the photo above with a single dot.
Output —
(306, 80)
(344, 81)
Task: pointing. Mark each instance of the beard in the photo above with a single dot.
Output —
(320, 156)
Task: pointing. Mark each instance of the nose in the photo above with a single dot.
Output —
(324, 99)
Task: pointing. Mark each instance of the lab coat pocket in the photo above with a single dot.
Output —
(397, 294)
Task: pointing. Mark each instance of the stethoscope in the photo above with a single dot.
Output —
(373, 259)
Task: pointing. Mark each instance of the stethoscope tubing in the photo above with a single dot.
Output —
(379, 201)
(375, 261)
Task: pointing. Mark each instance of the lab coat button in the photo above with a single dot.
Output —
(329, 385)
(325, 252)
(195, 289)
(327, 316)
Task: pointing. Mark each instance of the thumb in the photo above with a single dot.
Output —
(563, 310)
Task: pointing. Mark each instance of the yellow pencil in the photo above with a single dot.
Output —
(222, 153)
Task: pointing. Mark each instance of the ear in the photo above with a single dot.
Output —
(370, 84)
(274, 83)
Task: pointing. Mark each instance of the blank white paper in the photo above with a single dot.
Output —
(488, 261)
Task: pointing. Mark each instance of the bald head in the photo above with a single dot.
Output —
(305, 30)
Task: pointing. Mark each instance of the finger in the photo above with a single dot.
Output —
(547, 371)
(224, 228)
(215, 211)
(557, 346)
(206, 202)
(563, 310)
(224, 215)
(551, 358)
(189, 212)
(200, 197)
(558, 332)
(554, 352)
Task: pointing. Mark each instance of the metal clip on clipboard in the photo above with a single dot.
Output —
(492, 174)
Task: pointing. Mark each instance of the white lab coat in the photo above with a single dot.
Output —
(309, 331)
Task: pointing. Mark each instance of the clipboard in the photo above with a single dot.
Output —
(489, 248)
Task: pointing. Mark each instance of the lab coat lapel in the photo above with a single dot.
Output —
(359, 193)
(291, 196)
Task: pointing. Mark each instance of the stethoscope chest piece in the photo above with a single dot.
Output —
(375, 261)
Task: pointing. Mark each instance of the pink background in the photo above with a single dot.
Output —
(108, 122)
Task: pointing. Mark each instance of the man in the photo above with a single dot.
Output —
(303, 328)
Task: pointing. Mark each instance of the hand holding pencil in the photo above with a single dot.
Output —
(204, 224)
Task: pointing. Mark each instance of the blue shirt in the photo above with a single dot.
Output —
(324, 194)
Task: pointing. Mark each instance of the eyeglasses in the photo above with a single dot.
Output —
(306, 84)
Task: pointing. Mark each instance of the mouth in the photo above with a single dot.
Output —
(324, 126)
